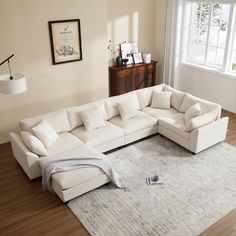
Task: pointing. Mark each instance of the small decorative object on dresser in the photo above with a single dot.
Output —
(147, 57)
(137, 58)
(131, 77)
(119, 61)
(124, 62)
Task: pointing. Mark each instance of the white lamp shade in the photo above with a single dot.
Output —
(12, 86)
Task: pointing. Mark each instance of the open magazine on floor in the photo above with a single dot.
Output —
(153, 180)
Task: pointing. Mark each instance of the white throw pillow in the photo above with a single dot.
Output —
(144, 95)
(74, 112)
(161, 100)
(33, 143)
(199, 121)
(111, 103)
(92, 119)
(127, 109)
(45, 133)
(176, 98)
(193, 111)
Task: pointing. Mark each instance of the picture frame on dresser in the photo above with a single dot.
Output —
(65, 41)
(127, 50)
(137, 58)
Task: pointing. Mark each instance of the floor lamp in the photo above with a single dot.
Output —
(12, 84)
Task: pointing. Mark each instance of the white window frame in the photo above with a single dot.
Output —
(226, 68)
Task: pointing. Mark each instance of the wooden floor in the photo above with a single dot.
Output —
(26, 210)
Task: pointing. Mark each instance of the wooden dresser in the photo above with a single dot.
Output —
(132, 77)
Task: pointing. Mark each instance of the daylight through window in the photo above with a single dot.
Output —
(210, 35)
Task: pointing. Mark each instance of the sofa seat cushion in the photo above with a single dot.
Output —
(100, 135)
(64, 142)
(157, 113)
(176, 124)
(71, 178)
(139, 122)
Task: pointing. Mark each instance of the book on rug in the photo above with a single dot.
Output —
(153, 180)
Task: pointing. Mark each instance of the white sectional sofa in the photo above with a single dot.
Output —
(146, 120)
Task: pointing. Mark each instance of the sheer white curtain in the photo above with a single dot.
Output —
(173, 42)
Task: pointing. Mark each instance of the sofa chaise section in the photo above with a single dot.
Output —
(73, 183)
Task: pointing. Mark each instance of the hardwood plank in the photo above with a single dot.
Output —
(27, 210)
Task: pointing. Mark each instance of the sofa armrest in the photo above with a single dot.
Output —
(208, 135)
(28, 160)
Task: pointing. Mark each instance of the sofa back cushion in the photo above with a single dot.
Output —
(176, 98)
(74, 117)
(57, 119)
(206, 106)
(145, 95)
(92, 119)
(161, 100)
(127, 109)
(111, 103)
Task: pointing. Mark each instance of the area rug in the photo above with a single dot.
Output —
(198, 190)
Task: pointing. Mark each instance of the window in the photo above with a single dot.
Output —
(208, 35)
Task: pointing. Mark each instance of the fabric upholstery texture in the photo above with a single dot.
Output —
(76, 177)
(175, 124)
(157, 113)
(176, 98)
(193, 111)
(57, 119)
(161, 99)
(111, 103)
(199, 121)
(100, 135)
(139, 122)
(206, 106)
(28, 160)
(69, 179)
(92, 119)
(64, 142)
(145, 95)
(45, 133)
(33, 143)
(127, 108)
(74, 112)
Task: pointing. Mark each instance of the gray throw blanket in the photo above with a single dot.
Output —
(74, 162)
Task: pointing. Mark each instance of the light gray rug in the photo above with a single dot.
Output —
(198, 190)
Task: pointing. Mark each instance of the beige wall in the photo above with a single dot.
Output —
(132, 21)
(24, 32)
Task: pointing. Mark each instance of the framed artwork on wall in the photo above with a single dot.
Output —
(65, 40)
